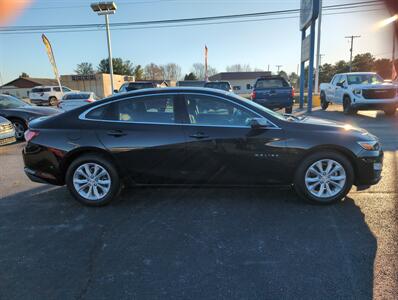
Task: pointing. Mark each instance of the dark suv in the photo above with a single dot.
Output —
(273, 92)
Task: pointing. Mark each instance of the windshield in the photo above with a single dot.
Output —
(271, 83)
(138, 86)
(364, 79)
(11, 102)
(218, 85)
(260, 107)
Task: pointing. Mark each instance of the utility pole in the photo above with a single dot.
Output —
(352, 37)
(318, 49)
(278, 66)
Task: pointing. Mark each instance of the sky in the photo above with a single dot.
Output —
(259, 43)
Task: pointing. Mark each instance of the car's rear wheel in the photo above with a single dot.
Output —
(390, 111)
(93, 180)
(324, 103)
(52, 101)
(20, 129)
(324, 177)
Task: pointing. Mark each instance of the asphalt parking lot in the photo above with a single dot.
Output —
(201, 243)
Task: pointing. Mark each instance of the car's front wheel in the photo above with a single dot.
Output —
(324, 177)
(324, 103)
(93, 180)
(20, 129)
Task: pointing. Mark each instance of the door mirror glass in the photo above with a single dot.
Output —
(259, 123)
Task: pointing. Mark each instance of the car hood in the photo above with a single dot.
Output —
(333, 125)
(42, 111)
(374, 86)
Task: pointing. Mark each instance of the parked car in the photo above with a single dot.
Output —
(76, 99)
(360, 91)
(47, 95)
(21, 113)
(273, 92)
(200, 136)
(133, 86)
(7, 132)
(219, 85)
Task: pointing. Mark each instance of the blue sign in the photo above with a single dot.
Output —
(309, 11)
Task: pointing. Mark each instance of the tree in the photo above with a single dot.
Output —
(238, 68)
(199, 70)
(171, 71)
(341, 67)
(326, 73)
(283, 74)
(153, 72)
(138, 72)
(294, 79)
(363, 62)
(383, 67)
(84, 68)
(190, 76)
(24, 75)
(119, 66)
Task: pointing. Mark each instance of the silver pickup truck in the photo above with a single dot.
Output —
(360, 91)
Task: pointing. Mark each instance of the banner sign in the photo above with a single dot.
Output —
(51, 57)
(305, 49)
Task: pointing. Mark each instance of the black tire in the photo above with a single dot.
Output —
(299, 180)
(20, 128)
(347, 108)
(102, 161)
(324, 103)
(289, 110)
(52, 101)
(390, 111)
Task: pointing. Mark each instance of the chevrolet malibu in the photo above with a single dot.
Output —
(196, 136)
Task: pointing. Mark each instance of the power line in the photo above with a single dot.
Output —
(185, 20)
(99, 28)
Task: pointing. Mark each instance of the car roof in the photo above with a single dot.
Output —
(356, 73)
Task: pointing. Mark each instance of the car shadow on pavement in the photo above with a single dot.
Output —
(205, 243)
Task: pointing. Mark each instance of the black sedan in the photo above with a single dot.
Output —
(196, 136)
(21, 113)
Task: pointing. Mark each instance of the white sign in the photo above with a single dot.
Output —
(305, 49)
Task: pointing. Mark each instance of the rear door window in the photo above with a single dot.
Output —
(271, 83)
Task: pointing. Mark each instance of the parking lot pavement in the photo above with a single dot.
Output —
(201, 243)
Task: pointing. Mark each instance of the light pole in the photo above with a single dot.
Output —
(106, 9)
(318, 49)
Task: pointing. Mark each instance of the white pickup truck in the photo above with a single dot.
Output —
(360, 91)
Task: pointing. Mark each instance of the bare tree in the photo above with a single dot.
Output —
(238, 68)
(171, 71)
(198, 69)
(153, 72)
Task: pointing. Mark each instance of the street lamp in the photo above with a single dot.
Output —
(106, 9)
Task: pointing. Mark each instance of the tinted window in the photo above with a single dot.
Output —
(139, 85)
(37, 90)
(208, 110)
(76, 96)
(65, 89)
(218, 85)
(269, 83)
(151, 109)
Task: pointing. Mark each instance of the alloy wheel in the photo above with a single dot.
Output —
(325, 178)
(92, 181)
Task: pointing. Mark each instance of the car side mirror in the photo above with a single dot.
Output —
(259, 123)
(115, 91)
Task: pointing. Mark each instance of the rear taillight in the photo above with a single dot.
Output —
(253, 95)
(30, 134)
(293, 92)
(89, 100)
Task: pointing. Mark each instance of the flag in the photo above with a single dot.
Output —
(206, 55)
(51, 57)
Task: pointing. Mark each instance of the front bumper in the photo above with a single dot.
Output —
(368, 167)
(7, 137)
(374, 104)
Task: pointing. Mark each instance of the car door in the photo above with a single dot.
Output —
(340, 90)
(142, 135)
(332, 88)
(223, 148)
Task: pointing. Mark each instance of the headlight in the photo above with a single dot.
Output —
(357, 91)
(370, 145)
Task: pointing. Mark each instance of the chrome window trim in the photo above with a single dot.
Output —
(82, 116)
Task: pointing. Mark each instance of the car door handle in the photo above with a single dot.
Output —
(116, 133)
(199, 135)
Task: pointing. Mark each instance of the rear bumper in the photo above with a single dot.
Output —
(274, 104)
